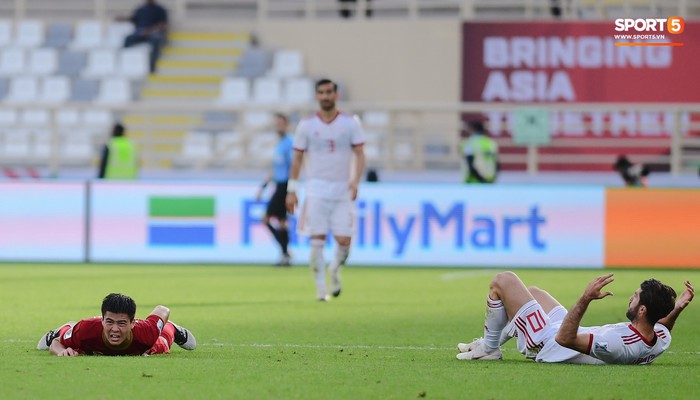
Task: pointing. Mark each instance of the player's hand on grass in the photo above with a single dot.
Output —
(68, 352)
(291, 202)
(686, 297)
(593, 291)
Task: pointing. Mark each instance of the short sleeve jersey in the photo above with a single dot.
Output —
(622, 344)
(86, 337)
(282, 159)
(328, 148)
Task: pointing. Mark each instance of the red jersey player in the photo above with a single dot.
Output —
(118, 333)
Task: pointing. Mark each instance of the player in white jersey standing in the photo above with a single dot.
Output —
(546, 332)
(328, 141)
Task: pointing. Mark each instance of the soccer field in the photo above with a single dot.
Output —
(262, 335)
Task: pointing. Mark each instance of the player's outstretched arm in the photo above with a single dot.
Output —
(58, 349)
(681, 303)
(568, 332)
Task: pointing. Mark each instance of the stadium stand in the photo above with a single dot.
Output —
(209, 104)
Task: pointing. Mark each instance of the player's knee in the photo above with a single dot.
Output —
(343, 241)
(502, 279)
(534, 290)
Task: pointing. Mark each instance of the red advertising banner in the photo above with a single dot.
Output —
(544, 62)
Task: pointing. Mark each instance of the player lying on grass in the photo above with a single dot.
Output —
(546, 332)
(117, 333)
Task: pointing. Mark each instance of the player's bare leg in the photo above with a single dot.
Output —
(507, 294)
(342, 250)
(318, 265)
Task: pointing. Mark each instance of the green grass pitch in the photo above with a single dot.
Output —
(262, 335)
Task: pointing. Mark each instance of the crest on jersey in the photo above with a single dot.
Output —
(68, 334)
(602, 347)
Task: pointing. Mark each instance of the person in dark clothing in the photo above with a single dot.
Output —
(348, 10)
(634, 175)
(151, 25)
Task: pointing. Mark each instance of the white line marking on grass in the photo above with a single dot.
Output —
(466, 274)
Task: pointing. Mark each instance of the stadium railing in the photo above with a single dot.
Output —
(408, 137)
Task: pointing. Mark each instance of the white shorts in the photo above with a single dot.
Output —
(319, 215)
(533, 327)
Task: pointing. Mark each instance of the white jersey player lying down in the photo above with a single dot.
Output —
(546, 332)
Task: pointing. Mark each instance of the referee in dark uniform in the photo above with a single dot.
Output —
(276, 215)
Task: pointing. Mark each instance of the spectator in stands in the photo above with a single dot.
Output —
(276, 207)
(119, 157)
(348, 10)
(634, 175)
(480, 154)
(151, 23)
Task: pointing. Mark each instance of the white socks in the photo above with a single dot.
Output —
(496, 320)
(318, 266)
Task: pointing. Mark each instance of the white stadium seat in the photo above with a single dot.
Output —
(12, 62)
(76, 147)
(100, 119)
(88, 35)
(116, 33)
(23, 90)
(66, 118)
(8, 117)
(287, 64)
(267, 91)
(100, 63)
(42, 61)
(299, 91)
(35, 117)
(5, 33)
(197, 146)
(114, 91)
(257, 119)
(229, 146)
(55, 90)
(16, 145)
(29, 33)
(234, 91)
(133, 62)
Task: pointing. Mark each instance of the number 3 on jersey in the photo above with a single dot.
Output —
(331, 145)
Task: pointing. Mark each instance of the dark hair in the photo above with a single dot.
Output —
(477, 126)
(118, 130)
(119, 304)
(326, 82)
(658, 298)
(282, 116)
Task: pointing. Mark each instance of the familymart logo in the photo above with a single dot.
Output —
(648, 31)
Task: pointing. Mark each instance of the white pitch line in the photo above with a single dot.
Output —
(329, 346)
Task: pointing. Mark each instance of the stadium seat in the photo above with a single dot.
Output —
(67, 118)
(8, 117)
(114, 91)
(55, 90)
(12, 62)
(23, 90)
(116, 33)
(71, 63)
(15, 145)
(58, 35)
(196, 146)
(229, 147)
(287, 64)
(88, 35)
(100, 63)
(234, 91)
(257, 119)
(40, 149)
(76, 147)
(84, 90)
(42, 61)
(262, 145)
(299, 91)
(35, 117)
(375, 119)
(5, 33)
(254, 63)
(267, 91)
(95, 118)
(133, 62)
(29, 33)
